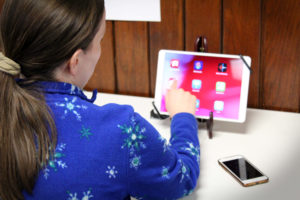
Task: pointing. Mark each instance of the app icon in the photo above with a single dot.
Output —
(174, 63)
(220, 86)
(197, 103)
(219, 105)
(196, 84)
(222, 67)
(198, 65)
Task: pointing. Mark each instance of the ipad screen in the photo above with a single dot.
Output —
(217, 82)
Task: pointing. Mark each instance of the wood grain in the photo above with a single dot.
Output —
(241, 35)
(280, 55)
(203, 17)
(266, 30)
(131, 40)
(168, 34)
(103, 78)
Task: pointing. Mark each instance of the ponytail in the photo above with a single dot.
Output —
(40, 38)
(27, 137)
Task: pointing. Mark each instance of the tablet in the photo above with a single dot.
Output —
(220, 82)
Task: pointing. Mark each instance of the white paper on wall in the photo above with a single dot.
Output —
(133, 10)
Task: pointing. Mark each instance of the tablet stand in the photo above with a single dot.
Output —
(244, 61)
(201, 46)
(156, 114)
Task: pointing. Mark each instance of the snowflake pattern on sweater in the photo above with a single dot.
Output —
(192, 150)
(71, 107)
(134, 141)
(90, 149)
(111, 171)
(57, 161)
(86, 195)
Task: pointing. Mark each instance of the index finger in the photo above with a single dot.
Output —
(174, 84)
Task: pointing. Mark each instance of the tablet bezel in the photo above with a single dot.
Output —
(244, 84)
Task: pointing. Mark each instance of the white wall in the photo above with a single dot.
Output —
(133, 10)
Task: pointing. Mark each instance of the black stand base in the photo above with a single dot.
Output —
(209, 124)
(156, 115)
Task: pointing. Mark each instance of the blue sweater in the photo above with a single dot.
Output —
(110, 152)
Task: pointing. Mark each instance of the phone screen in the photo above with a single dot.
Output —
(242, 169)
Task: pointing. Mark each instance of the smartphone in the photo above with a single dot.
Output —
(243, 171)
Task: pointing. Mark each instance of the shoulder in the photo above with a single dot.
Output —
(115, 110)
(74, 108)
(110, 114)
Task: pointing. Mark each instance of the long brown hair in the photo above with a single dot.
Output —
(39, 36)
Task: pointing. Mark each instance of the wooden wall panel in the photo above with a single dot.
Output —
(203, 17)
(266, 30)
(1, 3)
(241, 35)
(168, 34)
(281, 55)
(103, 78)
(131, 40)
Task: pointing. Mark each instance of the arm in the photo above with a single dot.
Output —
(161, 170)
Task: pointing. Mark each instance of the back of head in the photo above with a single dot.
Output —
(40, 36)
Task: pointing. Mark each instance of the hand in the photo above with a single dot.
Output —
(178, 100)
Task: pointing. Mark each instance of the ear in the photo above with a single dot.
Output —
(73, 64)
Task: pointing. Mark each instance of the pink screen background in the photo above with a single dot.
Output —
(209, 76)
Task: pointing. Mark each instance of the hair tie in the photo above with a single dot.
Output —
(9, 66)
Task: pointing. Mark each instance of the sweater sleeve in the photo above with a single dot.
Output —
(158, 169)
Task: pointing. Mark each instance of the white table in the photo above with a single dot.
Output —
(269, 139)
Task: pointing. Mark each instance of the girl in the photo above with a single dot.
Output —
(54, 142)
